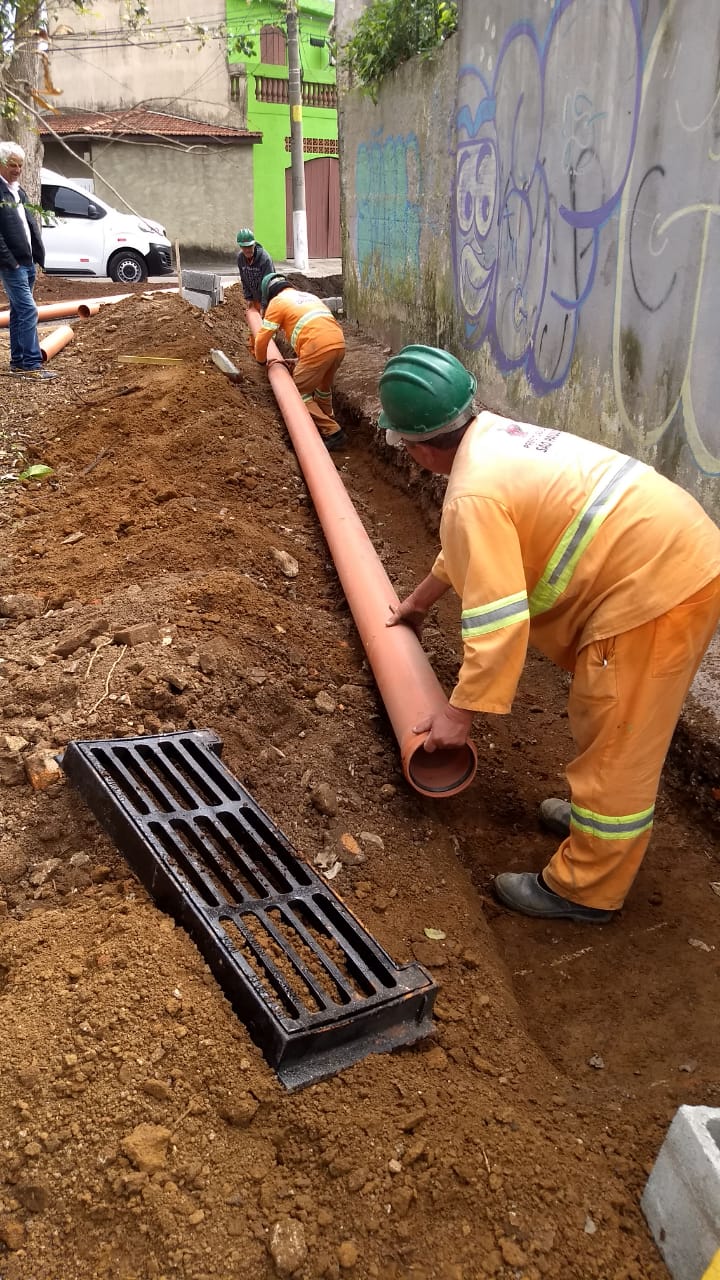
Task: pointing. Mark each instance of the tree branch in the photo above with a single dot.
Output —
(26, 107)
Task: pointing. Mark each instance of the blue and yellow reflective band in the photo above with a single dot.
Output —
(626, 827)
(309, 396)
(494, 616)
(324, 395)
(315, 314)
(268, 324)
(559, 569)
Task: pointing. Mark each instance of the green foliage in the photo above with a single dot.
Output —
(392, 31)
(139, 18)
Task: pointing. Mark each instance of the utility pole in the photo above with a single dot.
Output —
(300, 240)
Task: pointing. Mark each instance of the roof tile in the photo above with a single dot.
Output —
(136, 120)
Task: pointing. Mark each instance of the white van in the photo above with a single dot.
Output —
(84, 236)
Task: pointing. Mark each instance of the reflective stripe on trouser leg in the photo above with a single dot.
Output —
(314, 372)
(625, 700)
(326, 425)
(324, 400)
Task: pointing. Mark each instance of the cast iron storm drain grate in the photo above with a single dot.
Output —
(316, 991)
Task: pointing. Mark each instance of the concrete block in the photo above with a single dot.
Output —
(202, 288)
(681, 1200)
(202, 300)
(202, 281)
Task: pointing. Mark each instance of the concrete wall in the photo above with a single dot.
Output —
(347, 13)
(541, 197)
(161, 70)
(171, 187)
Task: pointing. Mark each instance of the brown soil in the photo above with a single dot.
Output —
(516, 1142)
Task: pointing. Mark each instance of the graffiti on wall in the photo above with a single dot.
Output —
(669, 245)
(545, 134)
(387, 186)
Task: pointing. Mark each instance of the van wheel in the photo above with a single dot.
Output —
(127, 267)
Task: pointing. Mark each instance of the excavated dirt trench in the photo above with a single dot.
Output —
(143, 1134)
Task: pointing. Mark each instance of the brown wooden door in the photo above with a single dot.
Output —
(322, 202)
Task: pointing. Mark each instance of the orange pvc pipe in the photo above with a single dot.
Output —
(49, 311)
(407, 684)
(56, 340)
(82, 307)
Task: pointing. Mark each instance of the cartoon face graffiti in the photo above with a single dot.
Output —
(476, 180)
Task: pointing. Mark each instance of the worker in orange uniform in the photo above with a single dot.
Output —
(318, 341)
(603, 565)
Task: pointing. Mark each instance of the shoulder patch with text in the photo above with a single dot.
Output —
(540, 439)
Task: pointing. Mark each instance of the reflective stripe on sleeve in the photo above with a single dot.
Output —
(626, 827)
(268, 324)
(559, 569)
(494, 616)
(316, 314)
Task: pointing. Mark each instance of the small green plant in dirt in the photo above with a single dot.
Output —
(38, 471)
(392, 31)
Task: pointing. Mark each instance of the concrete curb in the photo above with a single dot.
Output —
(681, 1200)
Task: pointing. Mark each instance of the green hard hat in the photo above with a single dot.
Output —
(423, 390)
(274, 282)
(245, 237)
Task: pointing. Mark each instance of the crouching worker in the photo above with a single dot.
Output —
(254, 263)
(603, 565)
(318, 341)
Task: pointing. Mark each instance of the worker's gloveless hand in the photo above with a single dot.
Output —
(447, 728)
(405, 612)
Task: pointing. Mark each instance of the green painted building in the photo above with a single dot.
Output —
(264, 82)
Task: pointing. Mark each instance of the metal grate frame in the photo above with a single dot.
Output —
(316, 991)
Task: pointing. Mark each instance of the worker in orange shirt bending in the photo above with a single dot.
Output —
(318, 341)
(603, 565)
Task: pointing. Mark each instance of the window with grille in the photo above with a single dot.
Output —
(273, 46)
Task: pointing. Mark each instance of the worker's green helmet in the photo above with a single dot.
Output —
(245, 237)
(423, 391)
(272, 284)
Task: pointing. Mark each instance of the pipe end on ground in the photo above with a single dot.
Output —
(438, 773)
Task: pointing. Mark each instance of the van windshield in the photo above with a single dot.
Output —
(66, 203)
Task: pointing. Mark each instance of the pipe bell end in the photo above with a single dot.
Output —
(438, 774)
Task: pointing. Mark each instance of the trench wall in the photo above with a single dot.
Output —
(541, 197)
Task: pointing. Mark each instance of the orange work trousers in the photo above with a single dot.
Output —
(625, 700)
(321, 357)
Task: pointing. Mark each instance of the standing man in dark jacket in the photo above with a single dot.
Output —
(253, 263)
(21, 248)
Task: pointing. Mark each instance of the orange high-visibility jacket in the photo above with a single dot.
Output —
(555, 541)
(301, 316)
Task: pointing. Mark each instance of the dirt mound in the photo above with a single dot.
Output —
(321, 286)
(144, 1135)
